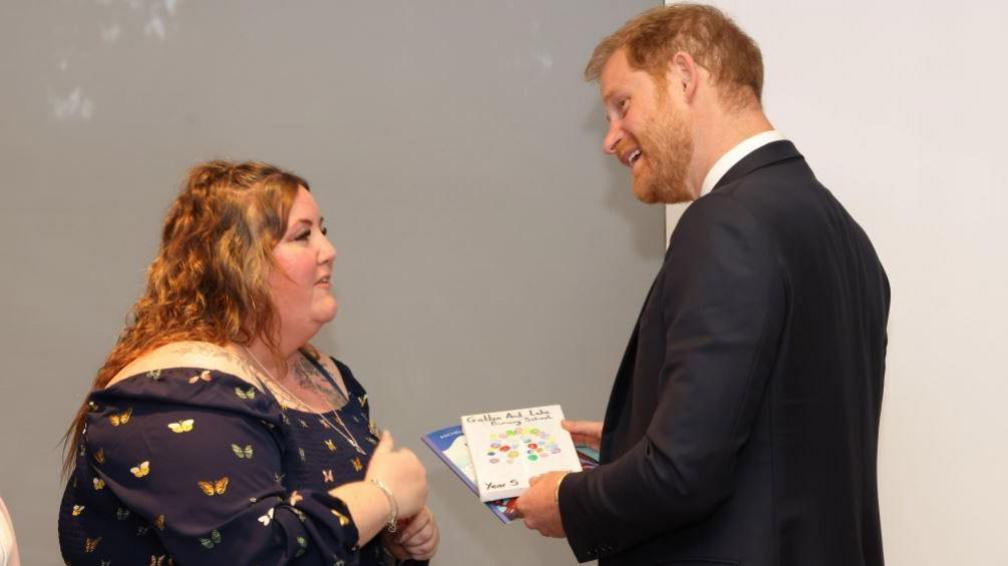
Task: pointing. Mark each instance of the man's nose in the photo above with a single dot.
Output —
(613, 137)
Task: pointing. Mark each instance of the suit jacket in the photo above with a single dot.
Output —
(743, 422)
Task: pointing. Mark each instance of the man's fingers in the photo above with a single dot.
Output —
(513, 512)
(587, 428)
(516, 509)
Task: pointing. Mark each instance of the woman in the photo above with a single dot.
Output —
(8, 543)
(215, 433)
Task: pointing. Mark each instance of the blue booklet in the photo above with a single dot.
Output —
(449, 444)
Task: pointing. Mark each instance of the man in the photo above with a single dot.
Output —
(743, 422)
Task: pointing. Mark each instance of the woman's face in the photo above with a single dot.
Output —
(300, 282)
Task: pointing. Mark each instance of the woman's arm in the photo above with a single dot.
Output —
(398, 472)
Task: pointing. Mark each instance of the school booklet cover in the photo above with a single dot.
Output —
(449, 444)
(508, 448)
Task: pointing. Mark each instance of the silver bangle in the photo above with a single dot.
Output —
(390, 525)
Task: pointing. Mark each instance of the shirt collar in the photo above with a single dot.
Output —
(734, 155)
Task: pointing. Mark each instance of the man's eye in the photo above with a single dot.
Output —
(325, 231)
(624, 105)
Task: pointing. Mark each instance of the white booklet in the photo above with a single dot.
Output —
(509, 447)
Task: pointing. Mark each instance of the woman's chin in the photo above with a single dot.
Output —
(327, 312)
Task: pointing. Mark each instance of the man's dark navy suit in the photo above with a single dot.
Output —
(743, 423)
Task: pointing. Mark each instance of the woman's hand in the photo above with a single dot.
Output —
(402, 473)
(416, 539)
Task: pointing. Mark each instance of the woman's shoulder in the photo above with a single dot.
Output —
(188, 354)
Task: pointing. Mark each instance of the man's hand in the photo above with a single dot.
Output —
(584, 432)
(416, 539)
(538, 505)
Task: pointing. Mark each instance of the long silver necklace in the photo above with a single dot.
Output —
(345, 433)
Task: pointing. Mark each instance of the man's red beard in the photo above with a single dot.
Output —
(667, 149)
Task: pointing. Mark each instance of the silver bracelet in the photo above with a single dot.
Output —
(390, 525)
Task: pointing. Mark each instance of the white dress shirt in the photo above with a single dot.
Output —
(734, 155)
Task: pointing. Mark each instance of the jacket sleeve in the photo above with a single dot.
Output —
(209, 480)
(722, 301)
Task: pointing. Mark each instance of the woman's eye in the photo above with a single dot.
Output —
(303, 235)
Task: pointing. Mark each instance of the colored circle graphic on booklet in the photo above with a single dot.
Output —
(520, 443)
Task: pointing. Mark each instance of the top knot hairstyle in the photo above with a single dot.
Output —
(711, 38)
(209, 280)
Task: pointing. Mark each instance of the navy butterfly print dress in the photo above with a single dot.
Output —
(194, 466)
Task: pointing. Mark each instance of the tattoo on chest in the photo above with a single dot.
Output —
(221, 353)
(306, 375)
(311, 379)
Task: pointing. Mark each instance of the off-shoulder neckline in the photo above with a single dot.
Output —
(133, 378)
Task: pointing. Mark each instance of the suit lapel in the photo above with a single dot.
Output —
(769, 154)
(623, 374)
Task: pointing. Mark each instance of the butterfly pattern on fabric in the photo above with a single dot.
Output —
(243, 453)
(343, 520)
(211, 540)
(141, 469)
(150, 450)
(185, 425)
(119, 419)
(90, 544)
(161, 560)
(247, 394)
(214, 487)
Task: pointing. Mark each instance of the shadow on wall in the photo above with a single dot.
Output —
(619, 197)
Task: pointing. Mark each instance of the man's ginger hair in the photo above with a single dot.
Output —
(711, 38)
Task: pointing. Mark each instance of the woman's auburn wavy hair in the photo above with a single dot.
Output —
(209, 280)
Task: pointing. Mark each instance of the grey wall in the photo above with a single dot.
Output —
(490, 257)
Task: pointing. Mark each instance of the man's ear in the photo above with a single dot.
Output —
(683, 75)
